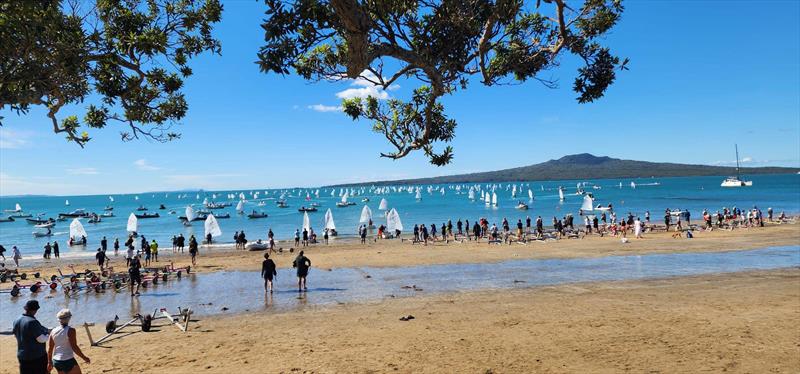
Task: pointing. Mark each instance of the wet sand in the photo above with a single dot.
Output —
(392, 253)
(741, 322)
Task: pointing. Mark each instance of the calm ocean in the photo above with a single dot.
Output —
(780, 192)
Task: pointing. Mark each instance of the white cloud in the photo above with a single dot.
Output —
(10, 139)
(83, 171)
(325, 108)
(747, 159)
(142, 164)
(363, 93)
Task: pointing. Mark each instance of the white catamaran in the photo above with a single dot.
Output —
(736, 181)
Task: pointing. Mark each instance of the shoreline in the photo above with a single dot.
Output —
(735, 322)
(394, 253)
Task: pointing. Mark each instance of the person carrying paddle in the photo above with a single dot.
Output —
(301, 263)
(268, 272)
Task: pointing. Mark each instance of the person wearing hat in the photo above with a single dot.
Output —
(31, 337)
(63, 347)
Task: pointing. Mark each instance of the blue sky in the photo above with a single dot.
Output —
(703, 76)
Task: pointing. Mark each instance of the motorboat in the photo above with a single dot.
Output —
(255, 214)
(141, 208)
(45, 225)
(162, 207)
(282, 204)
(107, 214)
(7, 219)
(522, 206)
(77, 213)
(37, 221)
(304, 209)
(148, 215)
(39, 234)
(108, 208)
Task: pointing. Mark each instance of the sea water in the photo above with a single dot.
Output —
(243, 291)
(780, 192)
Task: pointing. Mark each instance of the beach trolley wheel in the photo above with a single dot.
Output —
(188, 269)
(53, 278)
(36, 274)
(155, 279)
(73, 279)
(96, 288)
(111, 326)
(53, 286)
(23, 276)
(147, 321)
(164, 277)
(104, 273)
(117, 285)
(14, 291)
(144, 283)
(179, 274)
(3, 278)
(35, 287)
(95, 278)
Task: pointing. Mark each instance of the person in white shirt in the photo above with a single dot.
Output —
(63, 347)
(637, 228)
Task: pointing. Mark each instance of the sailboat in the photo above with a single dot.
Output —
(560, 193)
(383, 205)
(736, 181)
(393, 224)
(487, 198)
(306, 222)
(212, 226)
(190, 216)
(66, 202)
(419, 195)
(588, 204)
(76, 233)
(240, 207)
(633, 184)
(471, 194)
(366, 216)
(133, 224)
(530, 195)
(344, 202)
(494, 199)
(17, 209)
(329, 224)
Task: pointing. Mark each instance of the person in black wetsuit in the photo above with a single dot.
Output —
(135, 275)
(301, 263)
(268, 271)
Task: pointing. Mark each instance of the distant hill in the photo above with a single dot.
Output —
(586, 166)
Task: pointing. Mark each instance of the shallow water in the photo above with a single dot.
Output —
(207, 294)
(781, 192)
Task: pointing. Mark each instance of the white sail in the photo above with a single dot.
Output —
(633, 184)
(133, 223)
(329, 224)
(393, 221)
(384, 205)
(366, 215)
(306, 222)
(76, 231)
(212, 226)
(240, 206)
(471, 194)
(205, 201)
(111, 198)
(530, 194)
(66, 202)
(487, 198)
(560, 194)
(136, 197)
(17, 208)
(344, 197)
(588, 204)
(419, 195)
(494, 198)
(189, 213)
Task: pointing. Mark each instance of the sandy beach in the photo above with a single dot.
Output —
(741, 322)
(383, 253)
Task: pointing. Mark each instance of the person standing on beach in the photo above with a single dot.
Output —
(129, 255)
(3, 252)
(47, 249)
(301, 263)
(31, 338)
(15, 255)
(100, 256)
(305, 238)
(135, 275)
(268, 271)
(363, 235)
(666, 219)
(539, 227)
(63, 346)
(104, 244)
(297, 237)
(193, 249)
(637, 228)
(154, 250)
(236, 239)
(116, 246)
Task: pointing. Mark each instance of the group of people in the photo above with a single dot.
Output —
(40, 350)
(269, 271)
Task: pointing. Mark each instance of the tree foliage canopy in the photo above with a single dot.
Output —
(133, 54)
(440, 43)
